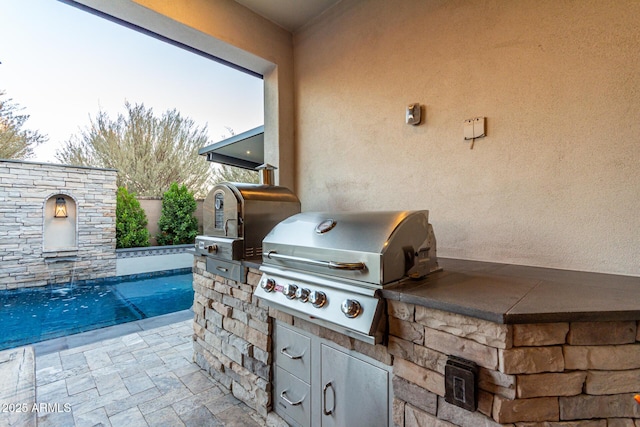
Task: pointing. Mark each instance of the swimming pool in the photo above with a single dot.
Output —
(36, 314)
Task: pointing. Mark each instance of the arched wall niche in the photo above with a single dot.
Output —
(60, 233)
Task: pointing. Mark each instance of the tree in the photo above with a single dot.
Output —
(177, 224)
(234, 174)
(16, 142)
(131, 221)
(149, 152)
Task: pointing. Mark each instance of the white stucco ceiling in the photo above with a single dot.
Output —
(289, 14)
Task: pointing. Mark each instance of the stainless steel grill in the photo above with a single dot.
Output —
(237, 216)
(328, 268)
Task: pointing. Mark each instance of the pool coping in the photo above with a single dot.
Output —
(96, 335)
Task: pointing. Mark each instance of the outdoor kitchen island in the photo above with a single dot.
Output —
(552, 347)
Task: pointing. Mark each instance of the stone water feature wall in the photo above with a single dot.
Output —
(28, 192)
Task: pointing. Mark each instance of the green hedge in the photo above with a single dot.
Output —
(177, 223)
(131, 221)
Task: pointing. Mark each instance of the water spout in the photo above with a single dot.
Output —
(55, 273)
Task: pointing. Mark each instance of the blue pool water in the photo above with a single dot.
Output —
(37, 314)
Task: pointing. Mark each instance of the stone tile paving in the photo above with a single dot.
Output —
(145, 378)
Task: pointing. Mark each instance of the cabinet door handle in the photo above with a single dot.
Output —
(283, 395)
(222, 269)
(324, 395)
(290, 356)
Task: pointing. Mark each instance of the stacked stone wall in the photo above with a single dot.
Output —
(232, 335)
(24, 188)
(531, 375)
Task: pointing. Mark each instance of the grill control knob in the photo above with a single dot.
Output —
(268, 285)
(351, 308)
(289, 290)
(302, 294)
(317, 299)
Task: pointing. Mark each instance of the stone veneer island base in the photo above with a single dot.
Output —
(554, 348)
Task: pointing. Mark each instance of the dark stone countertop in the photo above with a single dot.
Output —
(256, 263)
(505, 293)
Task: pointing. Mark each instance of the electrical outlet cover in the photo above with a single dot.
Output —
(461, 383)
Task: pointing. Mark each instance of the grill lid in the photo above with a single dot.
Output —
(223, 207)
(373, 247)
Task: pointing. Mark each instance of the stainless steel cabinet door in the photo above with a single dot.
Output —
(292, 398)
(354, 393)
(292, 352)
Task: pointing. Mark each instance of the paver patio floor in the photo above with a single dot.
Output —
(144, 378)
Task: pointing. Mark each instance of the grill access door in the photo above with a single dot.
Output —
(222, 211)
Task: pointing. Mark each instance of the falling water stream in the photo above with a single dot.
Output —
(65, 293)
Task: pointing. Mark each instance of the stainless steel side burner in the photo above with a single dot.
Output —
(329, 267)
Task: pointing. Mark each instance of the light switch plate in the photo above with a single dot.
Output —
(468, 129)
(474, 128)
(478, 127)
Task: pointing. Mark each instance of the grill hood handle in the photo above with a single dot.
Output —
(334, 265)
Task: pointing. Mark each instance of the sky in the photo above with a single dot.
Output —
(63, 65)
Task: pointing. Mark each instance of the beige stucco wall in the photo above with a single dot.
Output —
(152, 207)
(555, 183)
